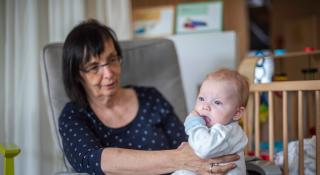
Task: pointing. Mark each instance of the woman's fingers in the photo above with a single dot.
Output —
(225, 159)
(221, 169)
(218, 165)
(222, 164)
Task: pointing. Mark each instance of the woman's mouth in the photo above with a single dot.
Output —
(110, 85)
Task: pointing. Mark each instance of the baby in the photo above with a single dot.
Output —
(212, 126)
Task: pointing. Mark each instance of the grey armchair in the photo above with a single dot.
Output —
(146, 62)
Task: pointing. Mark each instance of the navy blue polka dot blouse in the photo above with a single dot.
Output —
(156, 127)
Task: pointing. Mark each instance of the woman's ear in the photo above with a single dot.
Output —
(238, 113)
(80, 77)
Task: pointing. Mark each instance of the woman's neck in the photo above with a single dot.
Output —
(107, 101)
(117, 110)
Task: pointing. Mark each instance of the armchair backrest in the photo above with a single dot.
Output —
(146, 63)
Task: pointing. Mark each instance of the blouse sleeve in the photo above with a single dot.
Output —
(80, 144)
(172, 126)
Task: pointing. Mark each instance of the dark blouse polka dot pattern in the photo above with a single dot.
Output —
(156, 127)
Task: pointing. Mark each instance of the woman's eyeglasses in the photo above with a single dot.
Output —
(96, 69)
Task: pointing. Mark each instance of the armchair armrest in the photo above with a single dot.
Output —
(9, 151)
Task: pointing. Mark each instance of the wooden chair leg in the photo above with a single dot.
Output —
(9, 152)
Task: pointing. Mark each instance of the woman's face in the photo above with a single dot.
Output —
(100, 76)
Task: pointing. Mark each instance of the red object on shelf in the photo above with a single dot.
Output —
(308, 49)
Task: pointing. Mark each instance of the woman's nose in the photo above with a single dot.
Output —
(107, 72)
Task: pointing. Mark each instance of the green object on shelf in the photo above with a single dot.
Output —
(9, 151)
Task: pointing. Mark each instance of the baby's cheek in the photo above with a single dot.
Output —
(197, 108)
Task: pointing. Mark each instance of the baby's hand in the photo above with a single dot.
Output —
(183, 144)
(194, 112)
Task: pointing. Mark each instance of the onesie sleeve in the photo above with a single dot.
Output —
(208, 142)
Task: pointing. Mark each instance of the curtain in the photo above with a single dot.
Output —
(1, 77)
(1, 71)
(26, 27)
(118, 20)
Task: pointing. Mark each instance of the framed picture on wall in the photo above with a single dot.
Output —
(199, 17)
(153, 22)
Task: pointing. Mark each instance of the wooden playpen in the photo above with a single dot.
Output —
(293, 106)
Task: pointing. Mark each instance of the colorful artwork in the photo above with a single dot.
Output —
(193, 24)
(153, 22)
(199, 17)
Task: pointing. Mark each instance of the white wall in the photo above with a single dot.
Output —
(200, 54)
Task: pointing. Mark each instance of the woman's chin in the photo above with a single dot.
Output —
(109, 89)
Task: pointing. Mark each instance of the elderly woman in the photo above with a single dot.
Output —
(108, 129)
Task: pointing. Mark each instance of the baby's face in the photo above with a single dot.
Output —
(217, 102)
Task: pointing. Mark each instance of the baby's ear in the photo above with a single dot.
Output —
(238, 113)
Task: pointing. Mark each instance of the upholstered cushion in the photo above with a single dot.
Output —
(154, 63)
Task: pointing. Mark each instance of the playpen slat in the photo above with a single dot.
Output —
(285, 132)
(300, 132)
(318, 132)
(256, 123)
(245, 128)
(271, 125)
(249, 120)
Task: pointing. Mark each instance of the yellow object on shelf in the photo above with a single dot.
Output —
(9, 151)
(263, 113)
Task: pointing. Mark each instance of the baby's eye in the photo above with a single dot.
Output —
(217, 102)
(200, 98)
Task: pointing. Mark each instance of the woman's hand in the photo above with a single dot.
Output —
(222, 164)
(219, 165)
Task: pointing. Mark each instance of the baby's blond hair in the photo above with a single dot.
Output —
(241, 83)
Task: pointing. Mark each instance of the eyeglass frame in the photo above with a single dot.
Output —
(96, 68)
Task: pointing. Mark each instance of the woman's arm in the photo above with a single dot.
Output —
(126, 161)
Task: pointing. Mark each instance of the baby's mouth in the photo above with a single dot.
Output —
(206, 119)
